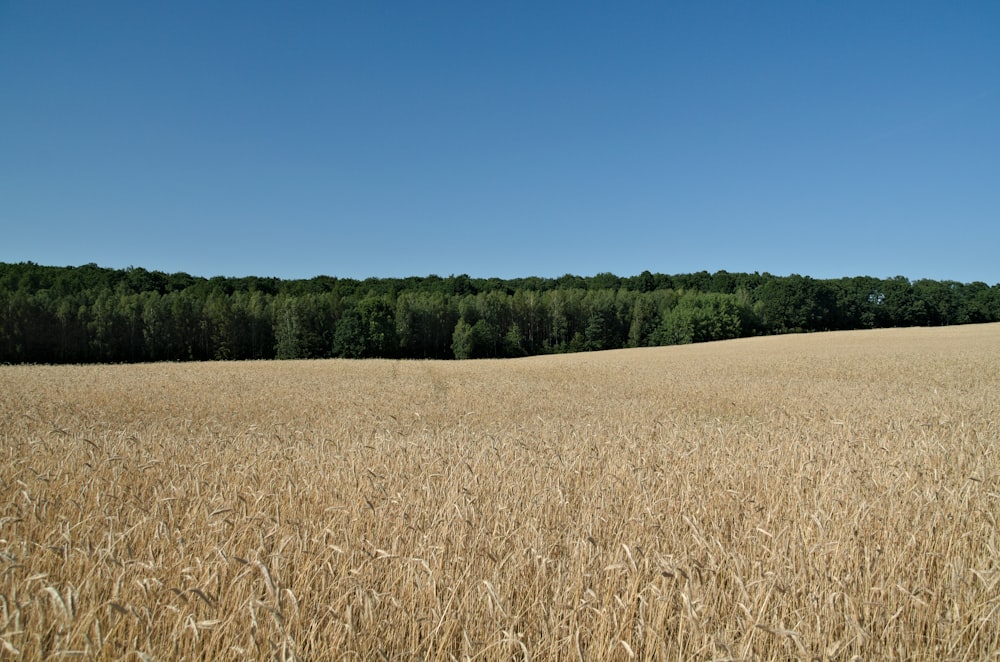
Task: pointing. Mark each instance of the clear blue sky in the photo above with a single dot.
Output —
(504, 139)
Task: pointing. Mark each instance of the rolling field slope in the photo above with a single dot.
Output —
(831, 496)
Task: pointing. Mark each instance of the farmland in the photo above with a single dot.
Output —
(830, 496)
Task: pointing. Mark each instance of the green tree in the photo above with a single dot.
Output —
(856, 302)
(470, 341)
(794, 303)
(896, 306)
(349, 340)
(940, 301)
(981, 303)
(462, 344)
(367, 330)
(702, 317)
(513, 342)
(645, 319)
(528, 310)
(287, 328)
(604, 328)
(379, 320)
(424, 325)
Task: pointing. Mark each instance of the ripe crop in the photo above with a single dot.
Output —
(831, 496)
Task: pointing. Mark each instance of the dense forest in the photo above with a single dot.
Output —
(91, 314)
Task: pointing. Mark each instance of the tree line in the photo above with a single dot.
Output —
(91, 314)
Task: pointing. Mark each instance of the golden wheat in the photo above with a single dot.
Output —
(828, 496)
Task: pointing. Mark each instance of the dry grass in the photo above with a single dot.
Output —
(828, 496)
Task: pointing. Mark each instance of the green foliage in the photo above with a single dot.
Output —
(793, 304)
(471, 341)
(91, 314)
(645, 320)
(513, 342)
(367, 330)
(379, 326)
(349, 340)
(605, 326)
(702, 317)
(424, 324)
(287, 329)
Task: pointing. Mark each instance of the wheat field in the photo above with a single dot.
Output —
(827, 496)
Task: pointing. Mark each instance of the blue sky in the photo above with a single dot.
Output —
(503, 139)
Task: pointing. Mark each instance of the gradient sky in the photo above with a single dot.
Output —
(503, 139)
